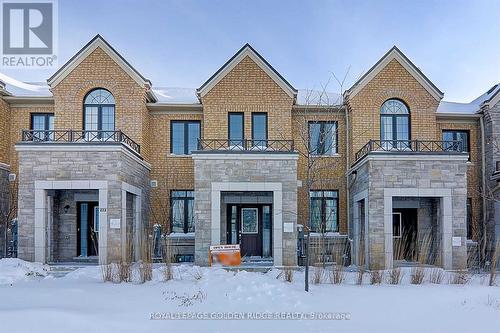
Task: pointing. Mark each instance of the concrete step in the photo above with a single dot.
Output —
(60, 269)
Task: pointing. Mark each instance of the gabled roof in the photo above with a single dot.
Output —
(493, 96)
(96, 42)
(245, 51)
(395, 54)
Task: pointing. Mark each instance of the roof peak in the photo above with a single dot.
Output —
(247, 50)
(394, 53)
(97, 41)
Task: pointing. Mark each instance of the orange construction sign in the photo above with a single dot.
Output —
(225, 255)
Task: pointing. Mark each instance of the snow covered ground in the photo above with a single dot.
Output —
(32, 301)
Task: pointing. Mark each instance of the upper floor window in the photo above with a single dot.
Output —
(99, 114)
(259, 129)
(324, 211)
(459, 136)
(395, 124)
(182, 211)
(236, 128)
(184, 136)
(323, 138)
(41, 123)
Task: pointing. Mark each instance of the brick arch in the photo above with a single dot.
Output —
(402, 95)
(92, 85)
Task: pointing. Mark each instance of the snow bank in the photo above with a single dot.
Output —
(81, 302)
(13, 270)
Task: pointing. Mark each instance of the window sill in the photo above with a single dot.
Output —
(179, 156)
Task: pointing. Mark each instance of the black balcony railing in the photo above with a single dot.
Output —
(407, 146)
(79, 136)
(246, 145)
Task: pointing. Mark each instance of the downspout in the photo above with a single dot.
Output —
(483, 178)
(347, 177)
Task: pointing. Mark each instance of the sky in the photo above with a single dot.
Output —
(182, 43)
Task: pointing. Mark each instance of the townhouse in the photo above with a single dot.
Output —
(102, 162)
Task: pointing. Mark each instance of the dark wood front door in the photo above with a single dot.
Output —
(87, 228)
(245, 227)
(250, 231)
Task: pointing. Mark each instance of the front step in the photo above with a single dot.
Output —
(61, 269)
(253, 264)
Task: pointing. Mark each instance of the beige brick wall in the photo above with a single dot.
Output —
(4, 132)
(171, 172)
(474, 167)
(328, 172)
(21, 120)
(247, 88)
(98, 70)
(391, 82)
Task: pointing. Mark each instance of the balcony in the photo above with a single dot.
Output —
(409, 147)
(80, 137)
(245, 146)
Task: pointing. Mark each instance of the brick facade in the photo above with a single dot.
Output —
(245, 88)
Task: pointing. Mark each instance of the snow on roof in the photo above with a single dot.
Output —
(175, 95)
(31, 89)
(318, 97)
(467, 108)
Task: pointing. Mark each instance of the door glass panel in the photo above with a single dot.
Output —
(386, 129)
(236, 129)
(108, 121)
(396, 225)
(178, 138)
(51, 127)
(96, 219)
(193, 136)
(38, 124)
(249, 221)
(402, 134)
(259, 130)
(84, 217)
(234, 227)
(91, 122)
(266, 232)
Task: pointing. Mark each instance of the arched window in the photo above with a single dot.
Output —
(395, 124)
(99, 114)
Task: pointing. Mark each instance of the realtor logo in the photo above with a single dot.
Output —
(29, 33)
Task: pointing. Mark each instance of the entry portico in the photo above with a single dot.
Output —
(248, 176)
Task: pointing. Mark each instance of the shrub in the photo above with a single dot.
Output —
(417, 275)
(436, 276)
(337, 274)
(376, 277)
(395, 276)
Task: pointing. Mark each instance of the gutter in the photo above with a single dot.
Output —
(29, 99)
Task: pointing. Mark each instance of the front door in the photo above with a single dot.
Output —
(87, 228)
(250, 231)
(251, 227)
(405, 234)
